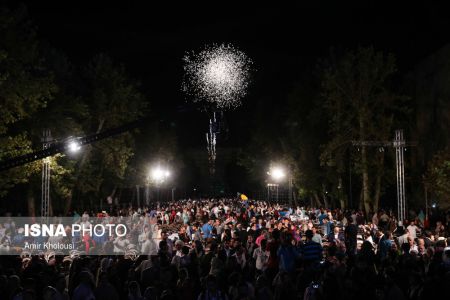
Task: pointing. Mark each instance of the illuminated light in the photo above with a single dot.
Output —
(159, 175)
(277, 173)
(74, 146)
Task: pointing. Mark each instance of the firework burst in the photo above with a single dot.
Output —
(218, 75)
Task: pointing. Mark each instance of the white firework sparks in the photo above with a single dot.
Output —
(218, 74)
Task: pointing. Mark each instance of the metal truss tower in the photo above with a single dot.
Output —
(45, 198)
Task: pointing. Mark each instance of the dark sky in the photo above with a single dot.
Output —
(148, 37)
(281, 39)
(284, 41)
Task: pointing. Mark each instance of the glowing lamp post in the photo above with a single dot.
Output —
(74, 146)
(278, 174)
(158, 176)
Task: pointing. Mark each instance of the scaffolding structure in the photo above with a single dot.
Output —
(400, 145)
(45, 196)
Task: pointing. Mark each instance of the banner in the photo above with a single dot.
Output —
(83, 235)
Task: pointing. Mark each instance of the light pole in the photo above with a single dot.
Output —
(269, 187)
(277, 174)
(400, 145)
(72, 146)
(158, 176)
(45, 199)
(290, 189)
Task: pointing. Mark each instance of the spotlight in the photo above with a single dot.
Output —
(74, 146)
(159, 175)
(277, 173)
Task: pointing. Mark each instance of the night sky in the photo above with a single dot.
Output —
(284, 41)
(152, 39)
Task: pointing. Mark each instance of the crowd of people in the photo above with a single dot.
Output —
(234, 249)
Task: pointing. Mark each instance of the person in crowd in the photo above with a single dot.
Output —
(134, 291)
(105, 290)
(336, 236)
(350, 233)
(412, 245)
(316, 236)
(85, 290)
(225, 249)
(403, 238)
(440, 229)
(207, 229)
(413, 229)
(311, 251)
(384, 243)
(211, 291)
(327, 225)
(261, 256)
(287, 254)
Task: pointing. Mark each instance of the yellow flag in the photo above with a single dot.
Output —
(243, 197)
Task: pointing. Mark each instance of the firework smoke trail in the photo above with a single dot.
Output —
(211, 138)
(219, 75)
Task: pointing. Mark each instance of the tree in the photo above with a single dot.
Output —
(25, 87)
(112, 99)
(83, 101)
(304, 132)
(437, 178)
(292, 134)
(361, 106)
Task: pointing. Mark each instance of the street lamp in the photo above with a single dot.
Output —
(73, 146)
(278, 173)
(158, 176)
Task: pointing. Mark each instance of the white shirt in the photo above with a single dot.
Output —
(375, 219)
(412, 229)
(414, 248)
(149, 247)
(156, 232)
(142, 237)
(120, 244)
(261, 257)
(403, 239)
(215, 211)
